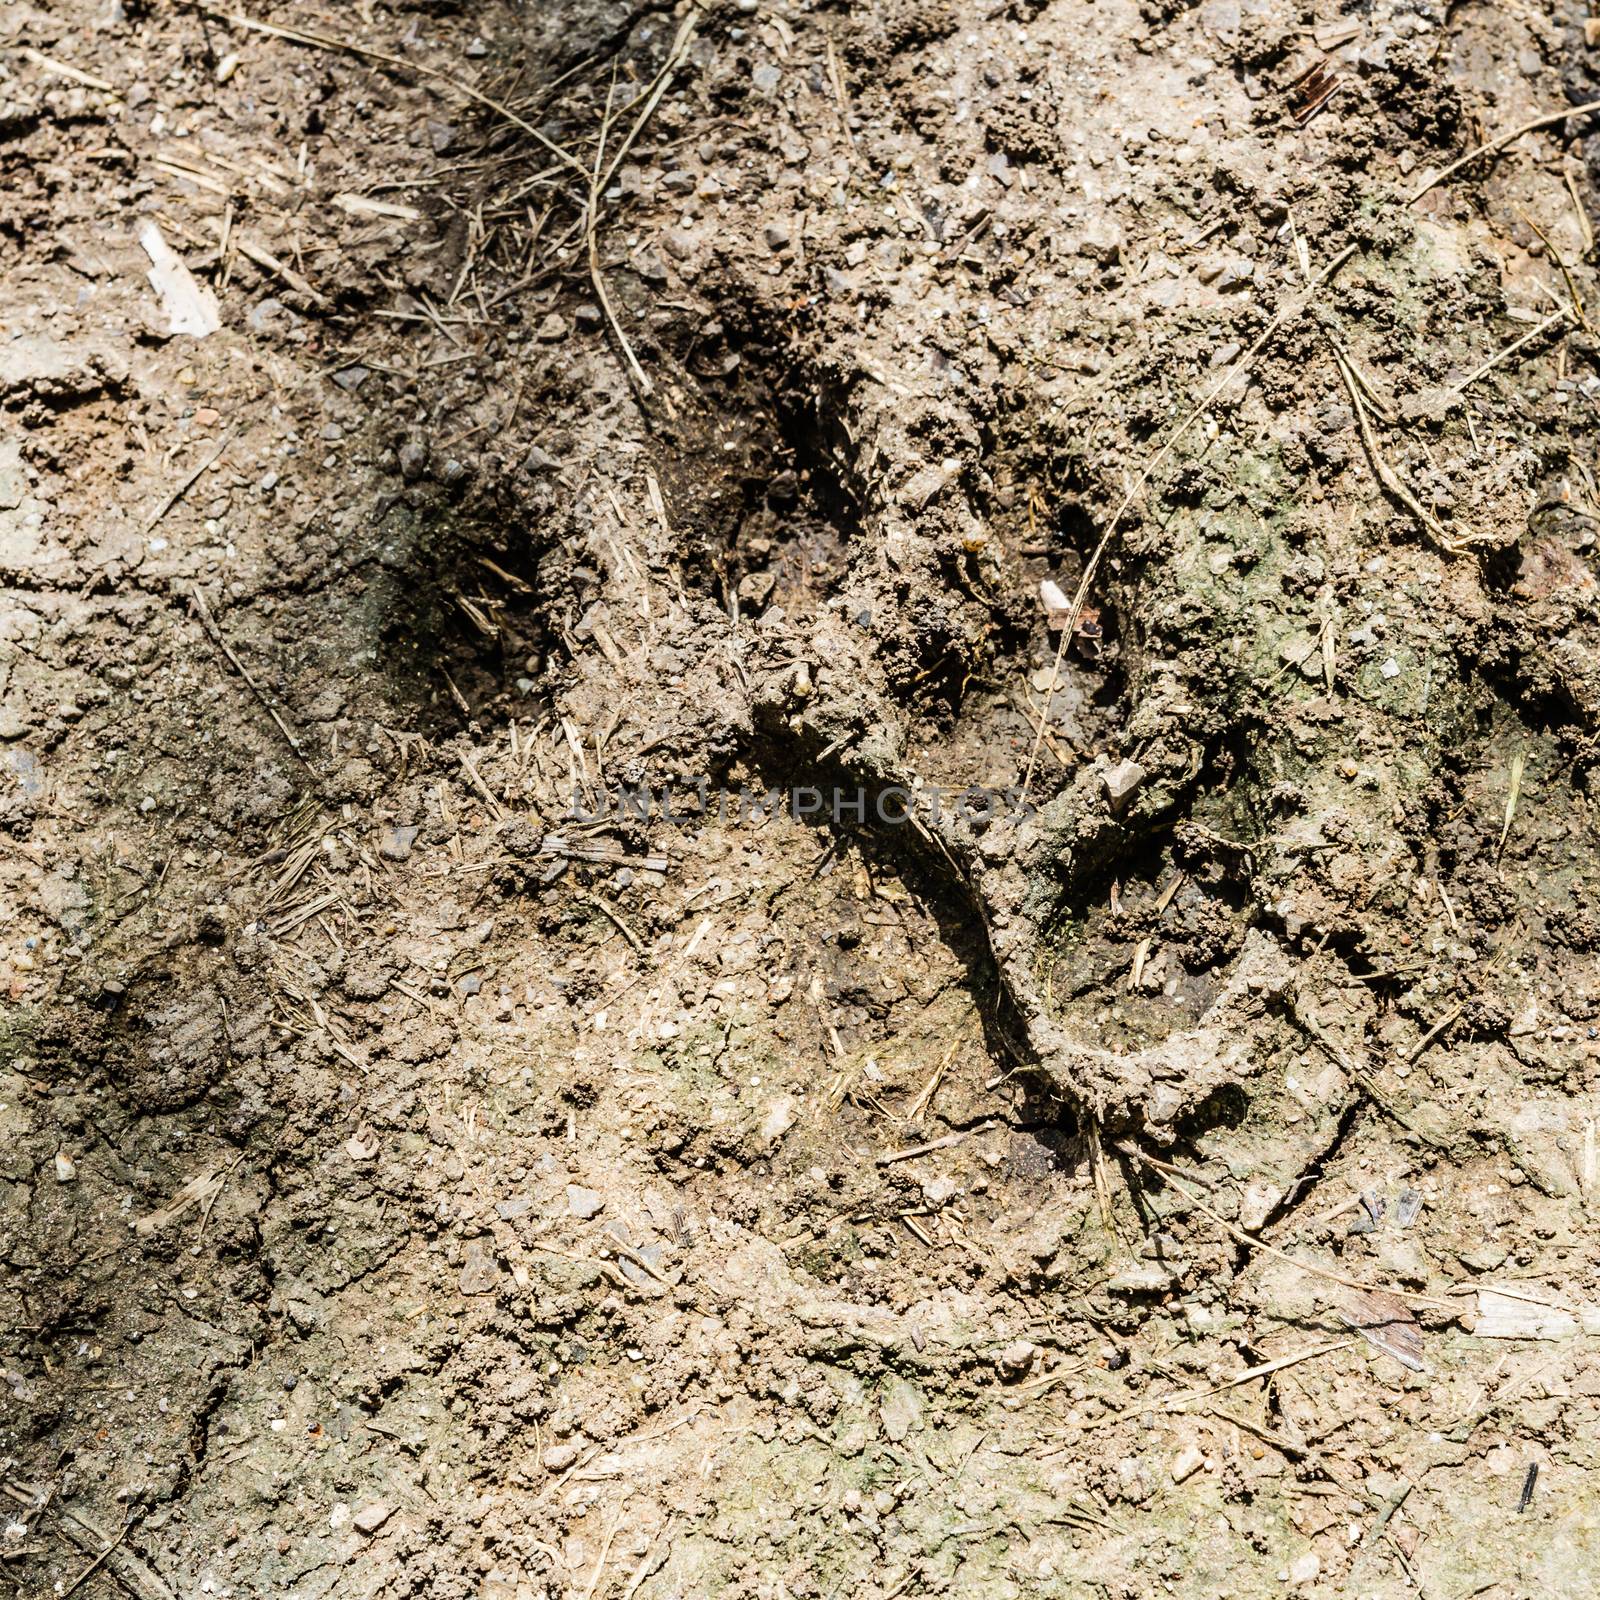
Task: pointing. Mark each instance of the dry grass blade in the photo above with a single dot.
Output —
(327, 41)
(591, 244)
(600, 180)
(1555, 255)
(199, 1190)
(1386, 474)
(1316, 1269)
(188, 480)
(1518, 762)
(214, 633)
(675, 58)
(61, 70)
(1510, 350)
(1548, 120)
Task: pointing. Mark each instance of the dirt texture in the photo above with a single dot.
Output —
(799, 800)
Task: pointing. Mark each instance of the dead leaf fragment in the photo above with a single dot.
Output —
(197, 1191)
(190, 308)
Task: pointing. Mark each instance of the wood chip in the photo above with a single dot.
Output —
(1386, 1321)
(1514, 1314)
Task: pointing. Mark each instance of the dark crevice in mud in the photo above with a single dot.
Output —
(456, 612)
(911, 853)
(1225, 1107)
(1306, 1182)
(1521, 677)
(191, 1467)
(758, 476)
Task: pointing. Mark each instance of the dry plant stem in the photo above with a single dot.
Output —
(62, 70)
(1555, 255)
(1262, 1369)
(1081, 593)
(187, 482)
(1185, 1397)
(135, 1576)
(605, 1549)
(1386, 474)
(591, 219)
(326, 41)
(600, 180)
(100, 1560)
(1548, 120)
(1511, 349)
(1283, 1255)
(680, 48)
(215, 635)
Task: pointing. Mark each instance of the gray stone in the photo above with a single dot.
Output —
(901, 1411)
(633, 1272)
(584, 1203)
(370, 1518)
(24, 766)
(394, 843)
(1143, 1277)
(1015, 1359)
(1101, 240)
(413, 458)
(13, 476)
(1122, 781)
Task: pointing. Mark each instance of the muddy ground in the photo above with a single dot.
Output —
(1041, 1099)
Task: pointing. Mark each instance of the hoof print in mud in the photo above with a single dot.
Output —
(797, 799)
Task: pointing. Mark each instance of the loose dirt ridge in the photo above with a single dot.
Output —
(797, 800)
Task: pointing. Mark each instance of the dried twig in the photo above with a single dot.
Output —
(101, 1559)
(1510, 350)
(62, 70)
(327, 41)
(187, 482)
(135, 1575)
(921, 1149)
(605, 1549)
(591, 218)
(215, 634)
